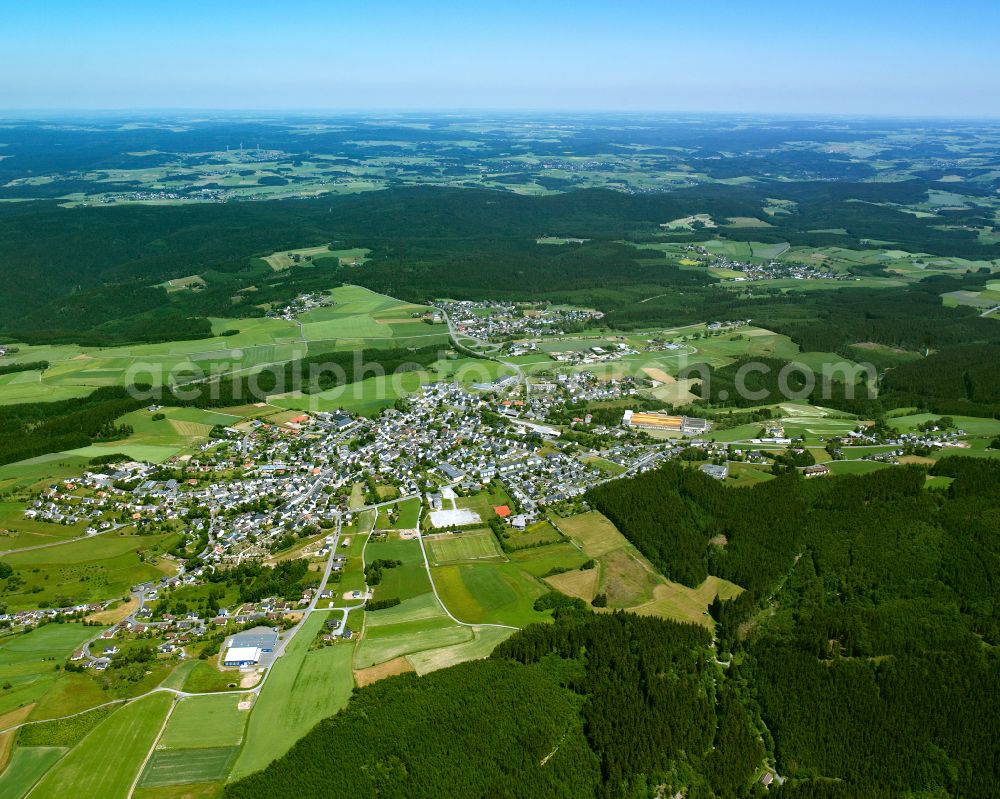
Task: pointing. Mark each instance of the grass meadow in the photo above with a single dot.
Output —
(88, 770)
(28, 661)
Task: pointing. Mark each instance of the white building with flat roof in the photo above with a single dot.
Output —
(242, 656)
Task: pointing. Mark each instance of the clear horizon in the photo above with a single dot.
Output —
(855, 59)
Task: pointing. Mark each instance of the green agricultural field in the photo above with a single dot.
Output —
(75, 371)
(484, 641)
(973, 425)
(203, 677)
(65, 731)
(409, 514)
(26, 767)
(28, 661)
(535, 535)
(366, 397)
(467, 545)
(489, 593)
(408, 580)
(36, 473)
(381, 644)
(304, 686)
(205, 722)
(153, 453)
(416, 625)
(418, 608)
(353, 577)
(360, 314)
(540, 561)
(185, 766)
(179, 675)
(284, 260)
(19, 532)
(87, 570)
(856, 467)
(88, 770)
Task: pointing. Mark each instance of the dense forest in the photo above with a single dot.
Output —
(95, 275)
(881, 637)
(593, 705)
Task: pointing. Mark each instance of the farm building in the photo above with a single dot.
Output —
(242, 656)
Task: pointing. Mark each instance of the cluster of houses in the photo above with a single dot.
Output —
(769, 270)
(500, 321)
(96, 500)
(594, 354)
(263, 481)
(300, 305)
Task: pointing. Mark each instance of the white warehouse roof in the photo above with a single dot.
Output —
(242, 654)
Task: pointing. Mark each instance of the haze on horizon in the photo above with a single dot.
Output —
(779, 57)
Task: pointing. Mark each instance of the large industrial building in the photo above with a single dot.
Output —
(246, 648)
(664, 422)
(263, 638)
(242, 656)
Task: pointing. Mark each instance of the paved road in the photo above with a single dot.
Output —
(522, 379)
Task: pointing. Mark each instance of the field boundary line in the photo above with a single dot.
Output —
(427, 566)
(152, 747)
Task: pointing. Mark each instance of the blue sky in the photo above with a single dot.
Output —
(768, 56)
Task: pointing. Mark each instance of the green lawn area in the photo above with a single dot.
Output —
(27, 765)
(205, 722)
(92, 569)
(484, 502)
(856, 467)
(28, 661)
(303, 687)
(88, 770)
(404, 581)
(203, 677)
(494, 593)
(357, 498)
(607, 467)
(409, 513)
(467, 545)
